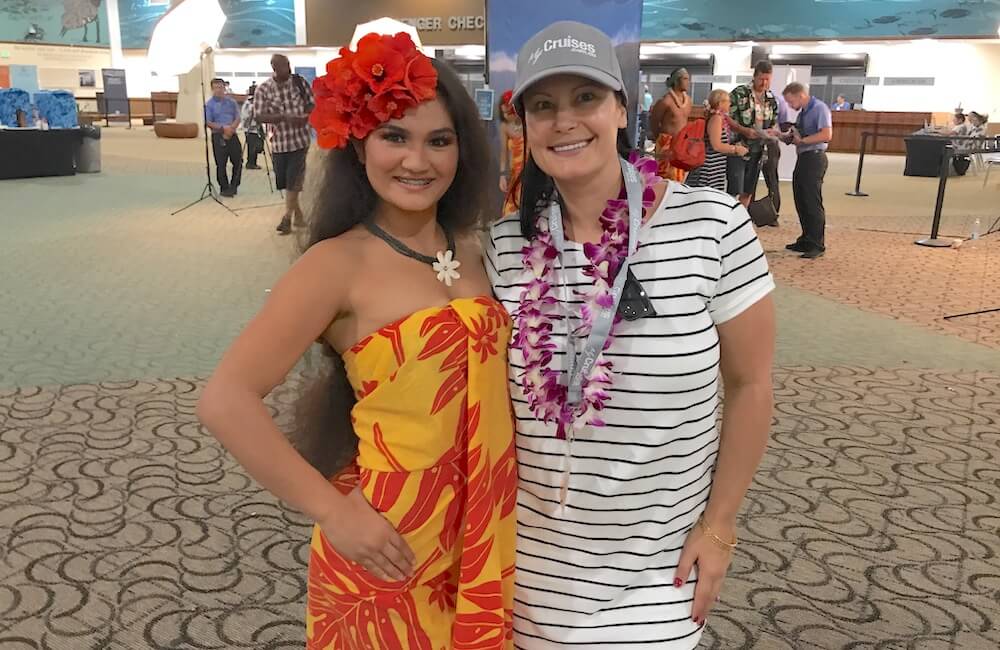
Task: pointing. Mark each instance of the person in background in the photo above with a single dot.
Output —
(222, 116)
(772, 156)
(511, 150)
(841, 104)
(666, 120)
(973, 125)
(255, 142)
(811, 134)
(284, 103)
(753, 109)
(713, 172)
(647, 105)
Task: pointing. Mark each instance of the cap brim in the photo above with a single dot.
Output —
(599, 76)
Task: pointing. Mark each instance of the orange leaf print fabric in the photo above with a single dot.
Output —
(436, 459)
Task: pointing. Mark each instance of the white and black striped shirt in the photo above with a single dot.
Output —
(598, 574)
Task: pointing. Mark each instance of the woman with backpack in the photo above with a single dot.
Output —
(713, 172)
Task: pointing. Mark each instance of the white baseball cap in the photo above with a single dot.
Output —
(568, 47)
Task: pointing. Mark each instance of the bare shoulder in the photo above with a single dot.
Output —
(327, 268)
(333, 254)
(470, 246)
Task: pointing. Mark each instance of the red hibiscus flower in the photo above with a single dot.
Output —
(421, 78)
(403, 44)
(391, 105)
(378, 63)
(380, 81)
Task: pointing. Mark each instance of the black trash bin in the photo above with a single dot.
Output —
(88, 159)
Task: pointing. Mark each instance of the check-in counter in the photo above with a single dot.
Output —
(849, 125)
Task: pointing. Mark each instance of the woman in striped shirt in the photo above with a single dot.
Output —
(628, 492)
(712, 172)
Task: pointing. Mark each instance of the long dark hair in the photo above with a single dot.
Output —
(535, 188)
(323, 431)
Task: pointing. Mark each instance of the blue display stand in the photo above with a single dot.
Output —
(58, 107)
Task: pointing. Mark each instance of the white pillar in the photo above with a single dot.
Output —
(190, 105)
(301, 36)
(115, 34)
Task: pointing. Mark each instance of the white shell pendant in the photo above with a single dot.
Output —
(446, 267)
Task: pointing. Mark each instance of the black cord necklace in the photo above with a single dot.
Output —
(445, 263)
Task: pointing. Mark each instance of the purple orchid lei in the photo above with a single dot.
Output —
(546, 394)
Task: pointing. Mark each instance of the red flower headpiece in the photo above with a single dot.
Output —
(506, 97)
(381, 80)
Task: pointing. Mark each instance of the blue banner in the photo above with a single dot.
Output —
(24, 77)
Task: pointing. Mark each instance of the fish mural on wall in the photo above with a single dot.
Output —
(722, 20)
(68, 22)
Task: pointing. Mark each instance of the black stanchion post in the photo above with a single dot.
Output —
(861, 163)
(934, 241)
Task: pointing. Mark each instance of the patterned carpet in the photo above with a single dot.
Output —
(872, 522)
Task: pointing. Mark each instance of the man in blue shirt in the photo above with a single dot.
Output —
(222, 116)
(811, 134)
(841, 104)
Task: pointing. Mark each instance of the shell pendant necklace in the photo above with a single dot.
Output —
(444, 264)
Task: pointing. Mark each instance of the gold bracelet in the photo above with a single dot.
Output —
(718, 541)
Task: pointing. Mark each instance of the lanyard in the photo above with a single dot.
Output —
(581, 365)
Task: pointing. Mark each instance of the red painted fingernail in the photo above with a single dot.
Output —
(678, 583)
(696, 621)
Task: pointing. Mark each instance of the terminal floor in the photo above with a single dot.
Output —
(872, 522)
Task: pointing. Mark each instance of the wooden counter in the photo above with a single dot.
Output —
(849, 125)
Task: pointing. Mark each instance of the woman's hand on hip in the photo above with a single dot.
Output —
(713, 563)
(362, 535)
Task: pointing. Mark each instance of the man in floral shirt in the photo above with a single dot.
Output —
(754, 110)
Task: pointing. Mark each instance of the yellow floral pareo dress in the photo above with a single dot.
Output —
(436, 458)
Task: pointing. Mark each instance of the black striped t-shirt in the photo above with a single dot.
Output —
(598, 574)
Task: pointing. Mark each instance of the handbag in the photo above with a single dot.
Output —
(762, 212)
(687, 149)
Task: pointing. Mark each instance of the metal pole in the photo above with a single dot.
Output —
(861, 163)
(933, 241)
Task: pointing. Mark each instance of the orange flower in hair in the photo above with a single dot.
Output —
(381, 80)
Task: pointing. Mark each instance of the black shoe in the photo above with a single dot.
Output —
(813, 253)
(797, 247)
(285, 227)
(253, 167)
(228, 193)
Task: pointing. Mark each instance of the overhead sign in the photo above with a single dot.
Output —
(452, 23)
(712, 78)
(909, 81)
(331, 23)
(855, 81)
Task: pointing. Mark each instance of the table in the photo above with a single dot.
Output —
(923, 155)
(26, 153)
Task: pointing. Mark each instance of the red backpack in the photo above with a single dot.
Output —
(688, 146)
